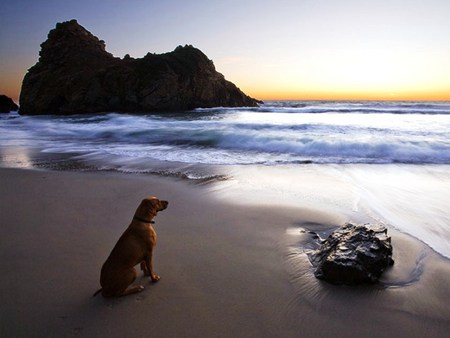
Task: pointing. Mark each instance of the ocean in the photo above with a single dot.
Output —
(388, 160)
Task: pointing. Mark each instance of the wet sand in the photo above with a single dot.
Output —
(227, 269)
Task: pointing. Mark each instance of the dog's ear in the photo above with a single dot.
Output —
(146, 201)
(146, 208)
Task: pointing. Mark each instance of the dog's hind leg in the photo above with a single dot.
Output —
(119, 284)
(130, 278)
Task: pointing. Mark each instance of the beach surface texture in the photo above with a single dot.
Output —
(228, 268)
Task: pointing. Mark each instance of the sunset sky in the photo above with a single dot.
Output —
(283, 49)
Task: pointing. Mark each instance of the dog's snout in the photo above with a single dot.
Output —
(164, 204)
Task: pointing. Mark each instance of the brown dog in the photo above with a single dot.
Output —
(135, 246)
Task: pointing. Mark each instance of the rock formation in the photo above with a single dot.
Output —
(75, 74)
(353, 254)
(7, 104)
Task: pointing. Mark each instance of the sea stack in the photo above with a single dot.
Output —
(75, 75)
(7, 104)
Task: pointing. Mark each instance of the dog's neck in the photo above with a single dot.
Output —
(143, 220)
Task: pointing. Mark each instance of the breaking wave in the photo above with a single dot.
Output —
(279, 132)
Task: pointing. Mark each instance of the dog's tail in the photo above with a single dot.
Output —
(96, 292)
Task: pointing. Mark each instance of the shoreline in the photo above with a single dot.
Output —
(228, 269)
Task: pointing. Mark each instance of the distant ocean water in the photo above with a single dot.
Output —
(394, 156)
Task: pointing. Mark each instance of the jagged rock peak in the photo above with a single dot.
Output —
(68, 40)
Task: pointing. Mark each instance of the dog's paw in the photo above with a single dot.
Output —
(140, 288)
(155, 278)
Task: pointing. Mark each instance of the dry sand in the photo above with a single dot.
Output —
(226, 270)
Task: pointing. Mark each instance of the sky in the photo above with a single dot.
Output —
(272, 50)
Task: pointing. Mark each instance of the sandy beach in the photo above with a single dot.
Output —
(227, 269)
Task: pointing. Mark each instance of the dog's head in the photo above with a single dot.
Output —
(149, 207)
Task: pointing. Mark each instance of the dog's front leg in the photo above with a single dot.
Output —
(149, 268)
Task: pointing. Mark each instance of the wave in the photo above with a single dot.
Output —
(246, 146)
(363, 107)
(270, 134)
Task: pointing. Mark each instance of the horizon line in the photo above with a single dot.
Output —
(16, 99)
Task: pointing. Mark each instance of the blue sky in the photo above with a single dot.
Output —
(303, 49)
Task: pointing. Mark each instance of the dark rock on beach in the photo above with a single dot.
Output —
(353, 254)
(75, 74)
(7, 104)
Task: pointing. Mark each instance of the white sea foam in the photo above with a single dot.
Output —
(276, 133)
(411, 198)
(414, 199)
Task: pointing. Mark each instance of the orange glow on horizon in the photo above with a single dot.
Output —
(11, 88)
(269, 94)
(280, 95)
(266, 90)
(347, 96)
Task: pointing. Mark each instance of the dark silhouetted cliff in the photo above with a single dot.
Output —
(75, 74)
